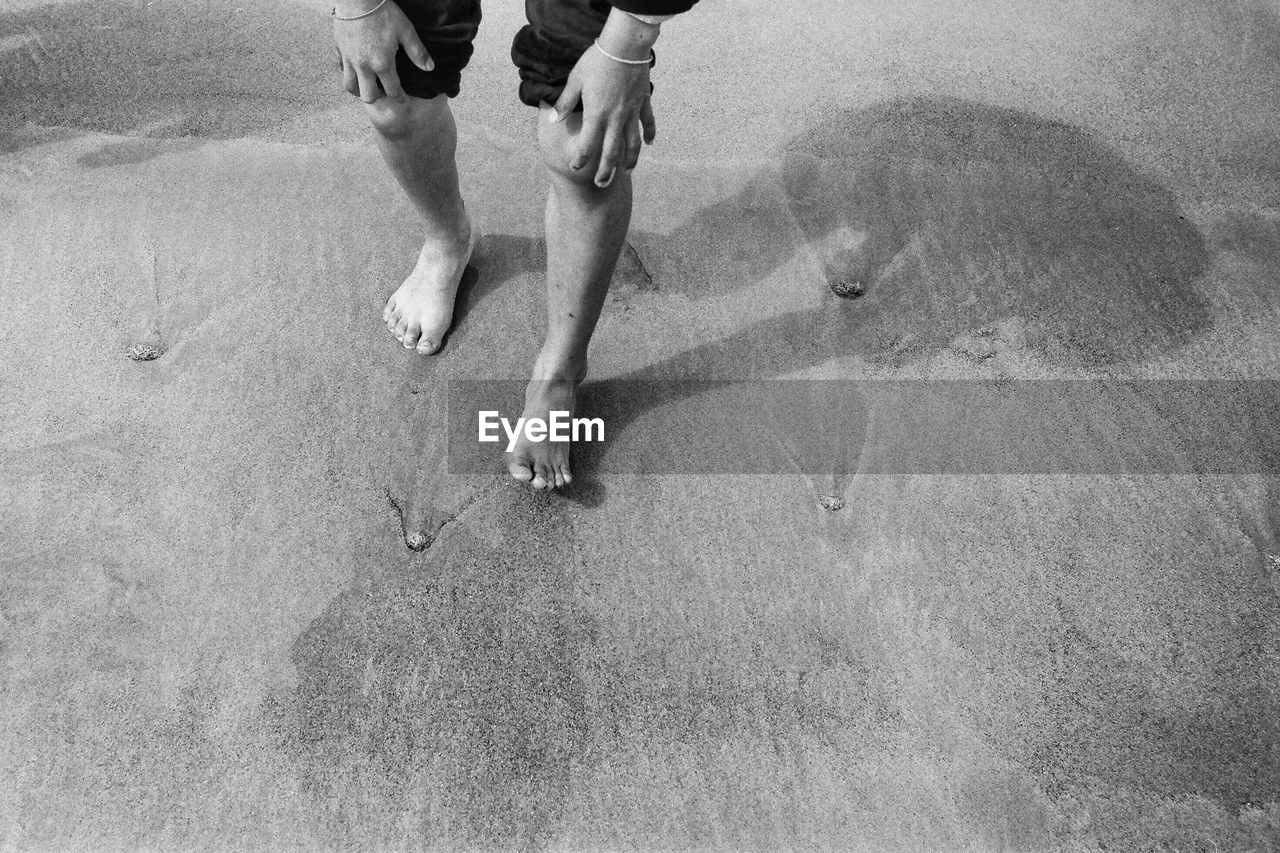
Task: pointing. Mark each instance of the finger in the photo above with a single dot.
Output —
(416, 50)
(390, 80)
(349, 81)
(648, 122)
(589, 139)
(609, 156)
(368, 85)
(568, 100)
(632, 147)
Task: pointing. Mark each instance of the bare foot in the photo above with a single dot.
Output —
(545, 464)
(420, 312)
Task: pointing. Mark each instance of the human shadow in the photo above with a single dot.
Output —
(954, 216)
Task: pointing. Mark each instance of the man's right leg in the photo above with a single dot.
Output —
(418, 140)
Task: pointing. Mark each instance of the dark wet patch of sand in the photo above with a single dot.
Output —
(948, 215)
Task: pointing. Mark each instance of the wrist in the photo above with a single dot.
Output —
(627, 37)
(353, 8)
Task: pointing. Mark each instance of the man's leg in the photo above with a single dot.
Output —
(418, 139)
(586, 226)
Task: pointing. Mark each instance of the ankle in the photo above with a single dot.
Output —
(554, 367)
(454, 234)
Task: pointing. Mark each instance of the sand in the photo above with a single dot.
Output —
(216, 632)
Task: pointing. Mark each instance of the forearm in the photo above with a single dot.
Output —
(628, 37)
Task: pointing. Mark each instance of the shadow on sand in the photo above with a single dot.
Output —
(954, 215)
(458, 702)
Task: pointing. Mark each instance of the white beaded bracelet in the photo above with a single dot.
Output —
(336, 17)
(644, 61)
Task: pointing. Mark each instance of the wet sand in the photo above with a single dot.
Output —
(215, 636)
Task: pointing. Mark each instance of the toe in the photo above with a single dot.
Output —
(427, 346)
(410, 339)
(541, 476)
(565, 475)
(389, 310)
(520, 471)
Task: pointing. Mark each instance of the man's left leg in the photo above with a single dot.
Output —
(586, 227)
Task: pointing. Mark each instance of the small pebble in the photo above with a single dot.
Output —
(831, 503)
(417, 541)
(848, 289)
(144, 352)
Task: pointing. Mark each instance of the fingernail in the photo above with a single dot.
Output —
(556, 118)
(608, 179)
(576, 166)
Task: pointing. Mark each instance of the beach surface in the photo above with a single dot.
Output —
(246, 604)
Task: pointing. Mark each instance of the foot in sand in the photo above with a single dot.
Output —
(545, 464)
(420, 312)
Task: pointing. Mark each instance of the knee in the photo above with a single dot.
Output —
(398, 119)
(557, 163)
(558, 144)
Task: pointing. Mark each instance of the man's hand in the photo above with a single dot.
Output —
(368, 48)
(616, 113)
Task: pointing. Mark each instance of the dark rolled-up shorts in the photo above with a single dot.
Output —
(545, 50)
